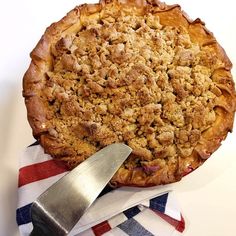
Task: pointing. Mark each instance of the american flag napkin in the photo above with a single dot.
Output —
(120, 212)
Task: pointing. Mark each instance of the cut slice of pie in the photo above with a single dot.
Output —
(136, 72)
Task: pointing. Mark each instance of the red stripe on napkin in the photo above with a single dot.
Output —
(39, 171)
(101, 228)
(179, 225)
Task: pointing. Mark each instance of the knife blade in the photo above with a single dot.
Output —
(60, 207)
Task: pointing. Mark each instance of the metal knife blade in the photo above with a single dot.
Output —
(60, 207)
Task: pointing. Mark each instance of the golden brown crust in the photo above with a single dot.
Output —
(157, 167)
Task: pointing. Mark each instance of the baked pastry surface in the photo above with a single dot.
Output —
(138, 72)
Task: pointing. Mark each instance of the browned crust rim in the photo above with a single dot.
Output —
(41, 62)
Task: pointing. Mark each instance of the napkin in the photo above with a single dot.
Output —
(123, 211)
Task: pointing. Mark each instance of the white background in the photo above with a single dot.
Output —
(207, 196)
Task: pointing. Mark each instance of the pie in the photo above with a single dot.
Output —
(135, 72)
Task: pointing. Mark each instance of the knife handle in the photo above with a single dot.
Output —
(37, 232)
(42, 231)
(42, 226)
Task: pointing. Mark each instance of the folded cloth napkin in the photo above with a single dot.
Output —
(123, 211)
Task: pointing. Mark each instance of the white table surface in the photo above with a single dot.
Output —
(207, 196)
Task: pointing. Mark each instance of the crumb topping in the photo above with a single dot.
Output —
(127, 78)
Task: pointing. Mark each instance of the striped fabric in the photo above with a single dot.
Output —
(124, 211)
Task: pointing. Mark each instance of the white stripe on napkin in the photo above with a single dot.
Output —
(33, 190)
(114, 202)
(25, 229)
(147, 218)
(116, 220)
(172, 208)
(115, 232)
(32, 155)
(88, 232)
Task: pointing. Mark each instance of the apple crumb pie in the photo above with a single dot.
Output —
(135, 72)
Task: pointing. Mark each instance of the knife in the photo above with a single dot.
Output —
(60, 207)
